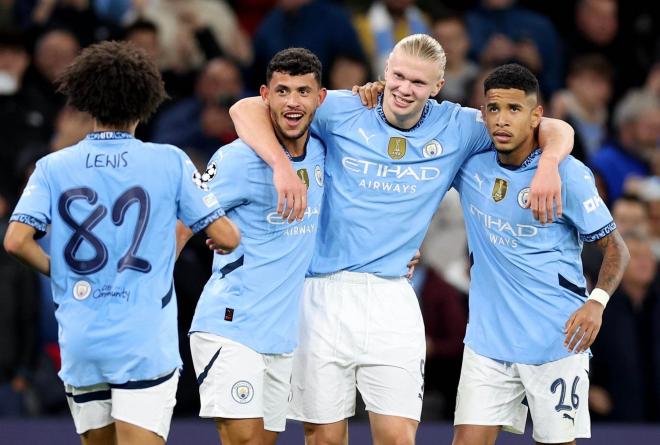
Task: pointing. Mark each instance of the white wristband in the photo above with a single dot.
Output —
(600, 296)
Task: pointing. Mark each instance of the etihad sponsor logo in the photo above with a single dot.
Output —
(502, 232)
(396, 147)
(369, 168)
(499, 189)
(276, 219)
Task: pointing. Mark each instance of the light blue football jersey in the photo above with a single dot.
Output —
(112, 203)
(526, 277)
(253, 294)
(384, 184)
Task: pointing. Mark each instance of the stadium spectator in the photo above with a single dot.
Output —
(584, 104)
(180, 21)
(202, 121)
(502, 32)
(23, 119)
(385, 23)
(322, 27)
(347, 71)
(461, 72)
(626, 362)
(637, 120)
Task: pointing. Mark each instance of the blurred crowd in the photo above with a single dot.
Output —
(598, 62)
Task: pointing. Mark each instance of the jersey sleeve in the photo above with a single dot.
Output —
(336, 102)
(583, 206)
(230, 182)
(197, 205)
(473, 131)
(34, 205)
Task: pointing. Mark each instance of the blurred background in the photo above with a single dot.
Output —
(598, 62)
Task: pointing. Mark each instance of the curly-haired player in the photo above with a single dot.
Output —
(111, 204)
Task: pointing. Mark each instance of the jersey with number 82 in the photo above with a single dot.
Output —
(112, 206)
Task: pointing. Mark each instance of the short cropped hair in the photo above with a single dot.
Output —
(512, 76)
(425, 47)
(115, 82)
(294, 62)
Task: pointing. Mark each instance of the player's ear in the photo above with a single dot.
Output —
(322, 94)
(263, 92)
(537, 115)
(437, 87)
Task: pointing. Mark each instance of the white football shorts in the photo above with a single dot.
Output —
(358, 330)
(147, 403)
(492, 392)
(236, 382)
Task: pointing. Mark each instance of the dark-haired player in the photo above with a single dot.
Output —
(246, 323)
(531, 319)
(111, 203)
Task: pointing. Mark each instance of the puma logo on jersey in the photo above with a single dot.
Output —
(364, 135)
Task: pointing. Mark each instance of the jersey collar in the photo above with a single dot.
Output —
(526, 163)
(108, 135)
(381, 113)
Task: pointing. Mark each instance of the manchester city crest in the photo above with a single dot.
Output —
(432, 149)
(523, 197)
(396, 148)
(81, 290)
(318, 175)
(303, 175)
(499, 189)
(242, 391)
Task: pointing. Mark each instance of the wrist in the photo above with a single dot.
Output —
(600, 296)
(549, 159)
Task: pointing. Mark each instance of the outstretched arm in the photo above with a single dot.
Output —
(556, 139)
(20, 243)
(253, 126)
(583, 325)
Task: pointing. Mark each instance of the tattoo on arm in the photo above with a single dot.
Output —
(615, 260)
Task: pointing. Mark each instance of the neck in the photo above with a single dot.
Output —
(98, 126)
(403, 122)
(295, 147)
(518, 155)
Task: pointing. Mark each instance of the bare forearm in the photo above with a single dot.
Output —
(556, 139)
(253, 126)
(615, 260)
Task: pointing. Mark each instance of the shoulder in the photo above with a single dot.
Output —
(449, 112)
(236, 152)
(315, 147)
(343, 98)
(571, 168)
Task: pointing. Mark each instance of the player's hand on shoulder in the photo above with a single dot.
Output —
(291, 194)
(583, 326)
(369, 92)
(545, 194)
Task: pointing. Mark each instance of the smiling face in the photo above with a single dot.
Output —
(292, 101)
(511, 117)
(409, 81)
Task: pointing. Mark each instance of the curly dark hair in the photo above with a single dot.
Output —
(115, 82)
(512, 76)
(295, 62)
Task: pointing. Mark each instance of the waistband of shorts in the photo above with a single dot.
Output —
(346, 276)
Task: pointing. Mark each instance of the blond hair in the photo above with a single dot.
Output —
(425, 47)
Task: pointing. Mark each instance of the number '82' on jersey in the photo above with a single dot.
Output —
(112, 203)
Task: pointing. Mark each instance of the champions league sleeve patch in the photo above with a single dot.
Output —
(202, 180)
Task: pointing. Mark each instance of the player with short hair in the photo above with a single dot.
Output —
(246, 322)
(529, 309)
(386, 171)
(112, 204)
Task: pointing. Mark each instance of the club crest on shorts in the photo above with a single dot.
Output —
(396, 148)
(303, 175)
(318, 175)
(499, 189)
(523, 197)
(81, 290)
(242, 391)
(432, 149)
